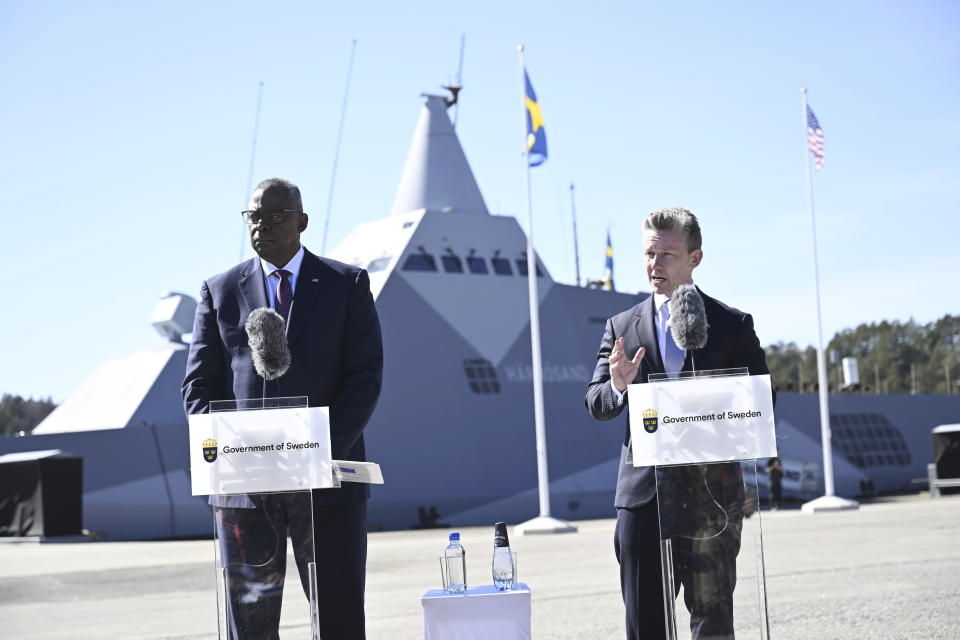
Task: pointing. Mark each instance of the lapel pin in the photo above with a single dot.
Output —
(315, 280)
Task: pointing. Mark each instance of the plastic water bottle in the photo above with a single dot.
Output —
(504, 576)
(455, 565)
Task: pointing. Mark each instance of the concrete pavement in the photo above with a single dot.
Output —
(889, 571)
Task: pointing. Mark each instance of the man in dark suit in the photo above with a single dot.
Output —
(700, 507)
(336, 361)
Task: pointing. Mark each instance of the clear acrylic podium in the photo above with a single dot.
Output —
(711, 535)
(256, 593)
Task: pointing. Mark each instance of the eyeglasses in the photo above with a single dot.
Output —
(270, 217)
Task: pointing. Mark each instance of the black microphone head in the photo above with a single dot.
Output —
(688, 318)
(267, 337)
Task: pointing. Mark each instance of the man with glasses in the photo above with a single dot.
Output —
(336, 361)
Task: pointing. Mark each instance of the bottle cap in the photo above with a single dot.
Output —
(500, 538)
(454, 536)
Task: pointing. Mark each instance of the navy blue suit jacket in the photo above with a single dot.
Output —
(335, 347)
(731, 342)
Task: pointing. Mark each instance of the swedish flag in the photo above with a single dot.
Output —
(608, 267)
(536, 134)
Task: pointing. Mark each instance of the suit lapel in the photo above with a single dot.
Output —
(306, 297)
(252, 287)
(645, 331)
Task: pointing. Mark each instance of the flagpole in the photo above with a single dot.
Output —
(544, 523)
(829, 501)
(576, 242)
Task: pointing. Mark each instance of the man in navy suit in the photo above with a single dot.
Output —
(336, 361)
(700, 507)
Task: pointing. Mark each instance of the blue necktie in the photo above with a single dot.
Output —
(671, 353)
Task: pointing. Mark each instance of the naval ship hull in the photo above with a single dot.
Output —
(136, 479)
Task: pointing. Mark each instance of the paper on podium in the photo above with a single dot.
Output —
(353, 471)
(698, 420)
(260, 451)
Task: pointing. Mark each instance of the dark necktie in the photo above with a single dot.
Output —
(284, 293)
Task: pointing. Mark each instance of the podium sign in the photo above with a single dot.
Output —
(703, 432)
(260, 451)
(698, 420)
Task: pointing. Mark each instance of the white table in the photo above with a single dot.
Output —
(481, 613)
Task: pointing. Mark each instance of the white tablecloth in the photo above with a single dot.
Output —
(482, 613)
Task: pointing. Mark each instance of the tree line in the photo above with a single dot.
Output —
(892, 357)
(22, 414)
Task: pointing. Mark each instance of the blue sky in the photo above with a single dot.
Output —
(127, 130)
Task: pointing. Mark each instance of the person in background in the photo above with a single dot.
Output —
(775, 475)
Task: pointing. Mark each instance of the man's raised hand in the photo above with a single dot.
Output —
(623, 370)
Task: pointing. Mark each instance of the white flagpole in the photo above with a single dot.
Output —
(544, 523)
(829, 501)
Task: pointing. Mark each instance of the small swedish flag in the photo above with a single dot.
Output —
(536, 134)
(608, 267)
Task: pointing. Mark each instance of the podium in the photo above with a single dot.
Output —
(259, 460)
(704, 432)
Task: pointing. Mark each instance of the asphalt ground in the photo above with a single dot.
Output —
(890, 570)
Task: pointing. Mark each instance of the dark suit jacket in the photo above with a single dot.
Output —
(731, 342)
(335, 347)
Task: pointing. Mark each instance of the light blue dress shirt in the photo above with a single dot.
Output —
(273, 280)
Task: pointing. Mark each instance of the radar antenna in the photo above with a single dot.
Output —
(336, 153)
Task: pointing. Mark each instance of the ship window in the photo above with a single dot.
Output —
(522, 268)
(378, 265)
(477, 265)
(501, 266)
(452, 264)
(481, 376)
(420, 262)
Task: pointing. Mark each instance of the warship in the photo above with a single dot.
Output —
(454, 428)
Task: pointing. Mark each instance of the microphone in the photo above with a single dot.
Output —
(267, 336)
(688, 318)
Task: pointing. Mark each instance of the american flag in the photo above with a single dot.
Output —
(815, 138)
